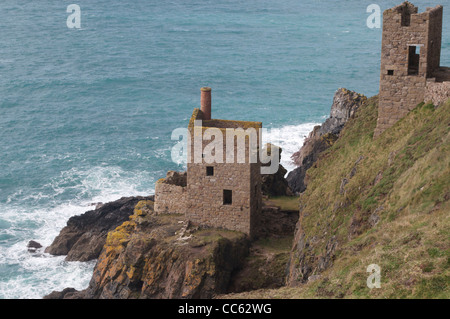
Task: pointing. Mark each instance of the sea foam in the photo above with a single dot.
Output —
(33, 275)
(290, 138)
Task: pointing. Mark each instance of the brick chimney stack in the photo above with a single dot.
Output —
(205, 102)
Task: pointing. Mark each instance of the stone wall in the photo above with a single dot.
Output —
(434, 40)
(207, 183)
(403, 75)
(221, 188)
(255, 198)
(437, 92)
(170, 194)
(205, 205)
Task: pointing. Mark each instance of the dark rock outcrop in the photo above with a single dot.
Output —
(176, 178)
(67, 293)
(311, 149)
(275, 184)
(275, 222)
(33, 246)
(345, 104)
(161, 256)
(84, 236)
(264, 269)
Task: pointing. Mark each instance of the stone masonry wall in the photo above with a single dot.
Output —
(170, 194)
(206, 182)
(437, 92)
(434, 40)
(255, 197)
(205, 204)
(400, 89)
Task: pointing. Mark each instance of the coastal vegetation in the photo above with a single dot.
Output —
(382, 201)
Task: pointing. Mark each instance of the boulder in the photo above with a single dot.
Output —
(33, 246)
(275, 184)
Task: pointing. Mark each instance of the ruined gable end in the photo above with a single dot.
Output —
(410, 70)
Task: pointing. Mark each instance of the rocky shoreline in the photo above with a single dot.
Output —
(84, 236)
(141, 254)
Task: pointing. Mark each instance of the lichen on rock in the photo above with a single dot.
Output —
(145, 258)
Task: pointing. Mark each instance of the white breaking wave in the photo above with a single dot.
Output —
(33, 275)
(25, 275)
(290, 138)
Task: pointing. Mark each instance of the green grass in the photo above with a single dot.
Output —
(284, 202)
(411, 240)
(275, 245)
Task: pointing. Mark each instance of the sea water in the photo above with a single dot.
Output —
(86, 114)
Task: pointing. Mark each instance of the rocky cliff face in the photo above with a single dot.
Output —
(383, 202)
(160, 256)
(375, 203)
(345, 104)
(275, 184)
(84, 236)
(265, 267)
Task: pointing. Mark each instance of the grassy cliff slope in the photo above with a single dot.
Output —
(383, 202)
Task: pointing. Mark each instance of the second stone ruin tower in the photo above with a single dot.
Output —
(410, 62)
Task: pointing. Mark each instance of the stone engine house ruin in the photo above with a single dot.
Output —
(219, 194)
(410, 63)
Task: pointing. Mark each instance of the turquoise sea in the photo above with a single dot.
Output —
(86, 115)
